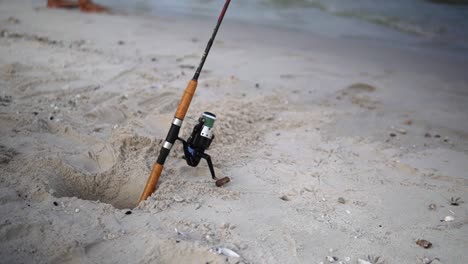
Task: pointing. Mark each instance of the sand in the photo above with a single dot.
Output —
(335, 146)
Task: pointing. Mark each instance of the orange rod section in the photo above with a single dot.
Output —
(186, 99)
(152, 181)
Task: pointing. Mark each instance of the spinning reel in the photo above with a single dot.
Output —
(199, 141)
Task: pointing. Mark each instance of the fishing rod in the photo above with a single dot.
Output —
(201, 137)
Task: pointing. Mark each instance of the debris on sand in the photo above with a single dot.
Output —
(180, 233)
(6, 154)
(371, 260)
(13, 20)
(224, 251)
(423, 243)
(285, 198)
(341, 200)
(448, 218)
(426, 260)
(178, 198)
(362, 87)
(392, 134)
(401, 131)
(427, 135)
(432, 207)
(331, 259)
(455, 201)
(5, 100)
(186, 66)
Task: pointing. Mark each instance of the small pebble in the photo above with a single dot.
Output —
(341, 200)
(51, 118)
(423, 243)
(331, 259)
(432, 206)
(285, 198)
(121, 42)
(427, 135)
(257, 85)
(401, 131)
(408, 122)
(392, 134)
(437, 136)
(77, 210)
(55, 203)
(128, 212)
(197, 206)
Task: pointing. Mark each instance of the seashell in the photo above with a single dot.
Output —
(371, 260)
(224, 251)
(423, 243)
(178, 199)
(179, 233)
(449, 218)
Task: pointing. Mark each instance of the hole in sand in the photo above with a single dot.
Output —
(113, 176)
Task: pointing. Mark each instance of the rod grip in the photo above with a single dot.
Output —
(184, 102)
(152, 182)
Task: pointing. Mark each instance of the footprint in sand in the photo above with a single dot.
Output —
(109, 114)
(6, 154)
(358, 95)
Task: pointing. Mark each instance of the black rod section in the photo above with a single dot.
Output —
(210, 42)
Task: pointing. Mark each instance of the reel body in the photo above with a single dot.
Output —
(199, 141)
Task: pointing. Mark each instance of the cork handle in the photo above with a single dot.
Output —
(186, 99)
(152, 182)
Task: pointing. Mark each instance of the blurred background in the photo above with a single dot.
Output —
(439, 23)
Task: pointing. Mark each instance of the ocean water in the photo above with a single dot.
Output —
(441, 23)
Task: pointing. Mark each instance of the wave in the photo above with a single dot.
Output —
(347, 10)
